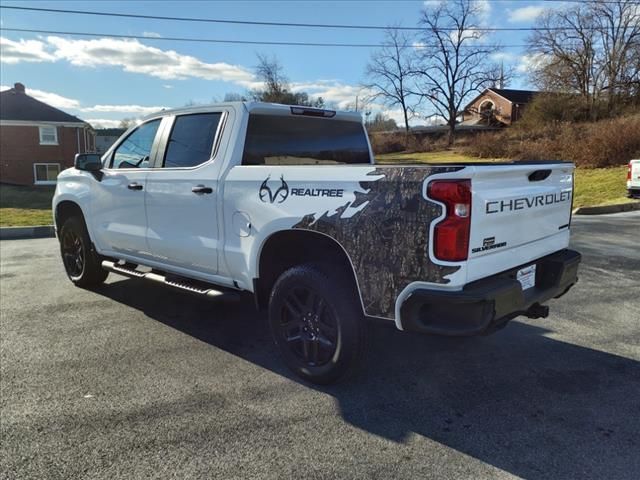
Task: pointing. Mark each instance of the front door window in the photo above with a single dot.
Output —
(135, 151)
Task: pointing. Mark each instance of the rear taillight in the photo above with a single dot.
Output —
(629, 172)
(451, 235)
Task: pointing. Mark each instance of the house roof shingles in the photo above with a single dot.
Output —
(515, 96)
(17, 105)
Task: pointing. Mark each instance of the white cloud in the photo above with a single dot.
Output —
(331, 91)
(502, 57)
(136, 109)
(396, 114)
(525, 14)
(24, 51)
(136, 57)
(65, 103)
(483, 9)
(531, 62)
(151, 35)
(49, 98)
(467, 35)
(130, 55)
(103, 122)
(53, 99)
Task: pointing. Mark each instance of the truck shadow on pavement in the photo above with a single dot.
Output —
(518, 400)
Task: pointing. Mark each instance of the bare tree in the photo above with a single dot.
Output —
(389, 74)
(234, 97)
(271, 72)
(589, 49)
(499, 76)
(453, 61)
(277, 88)
(564, 45)
(127, 122)
(618, 29)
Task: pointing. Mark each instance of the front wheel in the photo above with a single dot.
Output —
(317, 323)
(81, 263)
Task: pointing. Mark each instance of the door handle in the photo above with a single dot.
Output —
(134, 186)
(200, 189)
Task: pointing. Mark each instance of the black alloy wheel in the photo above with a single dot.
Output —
(82, 264)
(316, 320)
(73, 253)
(308, 326)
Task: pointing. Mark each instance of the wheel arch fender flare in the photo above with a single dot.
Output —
(64, 208)
(297, 246)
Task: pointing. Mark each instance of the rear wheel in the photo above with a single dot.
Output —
(81, 263)
(317, 323)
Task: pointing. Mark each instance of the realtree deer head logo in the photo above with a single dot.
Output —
(280, 195)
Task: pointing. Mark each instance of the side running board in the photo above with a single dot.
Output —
(181, 283)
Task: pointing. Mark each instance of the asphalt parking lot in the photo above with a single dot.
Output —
(136, 381)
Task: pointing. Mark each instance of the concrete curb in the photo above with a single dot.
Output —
(620, 207)
(15, 233)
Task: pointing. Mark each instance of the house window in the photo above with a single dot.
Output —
(46, 173)
(48, 135)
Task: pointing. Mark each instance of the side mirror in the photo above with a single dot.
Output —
(89, 162)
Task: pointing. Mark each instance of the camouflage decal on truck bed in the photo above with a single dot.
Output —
(388, 239)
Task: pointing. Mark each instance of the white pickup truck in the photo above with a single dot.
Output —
(288, 204)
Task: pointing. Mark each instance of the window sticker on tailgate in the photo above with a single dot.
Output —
(527, 277)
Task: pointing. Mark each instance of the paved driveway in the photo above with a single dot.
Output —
(137, 381)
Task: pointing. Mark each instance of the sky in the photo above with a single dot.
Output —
(103, 80)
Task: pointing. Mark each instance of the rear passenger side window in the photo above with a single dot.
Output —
(191, 140)
(299, 140)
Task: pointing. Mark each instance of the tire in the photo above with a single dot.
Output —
(82, 264)
(317, 323)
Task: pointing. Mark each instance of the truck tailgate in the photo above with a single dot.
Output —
(519, 213)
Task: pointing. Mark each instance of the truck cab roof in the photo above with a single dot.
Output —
(263, 108)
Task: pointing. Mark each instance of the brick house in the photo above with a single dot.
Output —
(38, 141)
(498, 106)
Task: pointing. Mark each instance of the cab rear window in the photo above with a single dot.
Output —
(284, 140)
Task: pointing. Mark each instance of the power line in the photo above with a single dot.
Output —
(240, 42)
(263, 23)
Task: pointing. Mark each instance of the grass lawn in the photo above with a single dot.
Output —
(427, 157)
(600, 186)
(24, 206)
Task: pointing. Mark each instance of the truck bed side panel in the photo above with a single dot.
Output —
(388, 240)
(380, 217)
